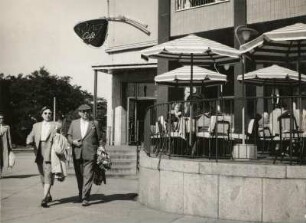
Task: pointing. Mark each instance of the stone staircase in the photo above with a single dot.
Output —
(124, 160)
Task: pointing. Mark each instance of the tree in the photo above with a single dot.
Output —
(28, 94)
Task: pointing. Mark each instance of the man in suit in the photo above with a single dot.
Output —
(41, 138)
(85, 138)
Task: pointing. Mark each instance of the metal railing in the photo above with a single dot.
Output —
(275, 129)
(186, 4)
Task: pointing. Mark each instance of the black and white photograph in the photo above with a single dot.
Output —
(153, 111)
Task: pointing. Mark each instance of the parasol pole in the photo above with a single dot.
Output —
(243, 101)
(191, 94)
(300, 84)
(54, 108)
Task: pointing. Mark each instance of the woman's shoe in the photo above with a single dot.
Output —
(44, 203)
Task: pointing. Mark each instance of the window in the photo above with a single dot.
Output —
(186, 4)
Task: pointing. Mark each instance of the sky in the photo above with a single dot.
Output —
(39, 33)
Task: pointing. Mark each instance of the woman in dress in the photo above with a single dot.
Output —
(5, 145)
(41, 138)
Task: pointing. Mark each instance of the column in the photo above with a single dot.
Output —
(163, 36)
(240, 18)
(110, 114)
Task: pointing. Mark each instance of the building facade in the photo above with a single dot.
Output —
(133, 88)
(132, 78)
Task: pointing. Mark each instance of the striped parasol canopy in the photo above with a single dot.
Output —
(273, 75)
(203, 51)
(283, 45)
(181, 77)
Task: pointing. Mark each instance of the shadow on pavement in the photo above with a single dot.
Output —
(74, 199)
(97, 198)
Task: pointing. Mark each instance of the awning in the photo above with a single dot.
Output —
(107, 67)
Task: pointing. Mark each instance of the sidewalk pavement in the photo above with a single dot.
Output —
(115, 202)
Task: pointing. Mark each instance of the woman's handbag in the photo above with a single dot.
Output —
(11, 159)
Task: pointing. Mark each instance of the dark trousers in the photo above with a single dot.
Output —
(84, 174)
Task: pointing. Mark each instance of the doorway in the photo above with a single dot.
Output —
(135, 118)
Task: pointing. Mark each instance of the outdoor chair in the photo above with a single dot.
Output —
(222, 138)
(160, 137)
(204, 128)
(265, 136)
(290, 143)
(253, 131)
(177, 137)
(265, 139)
(214, 130)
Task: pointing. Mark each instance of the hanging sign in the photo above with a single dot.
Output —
(92, 32)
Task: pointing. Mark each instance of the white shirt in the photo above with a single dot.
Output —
(84, 127)
(45, 129)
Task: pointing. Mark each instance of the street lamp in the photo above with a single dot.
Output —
(243, 33)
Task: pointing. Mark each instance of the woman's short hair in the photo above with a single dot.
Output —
(44, 109)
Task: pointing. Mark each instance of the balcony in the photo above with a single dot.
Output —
(187, 4)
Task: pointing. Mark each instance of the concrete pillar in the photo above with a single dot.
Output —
(163, 36)
(119, 113)
(240, 18)
(110, 114)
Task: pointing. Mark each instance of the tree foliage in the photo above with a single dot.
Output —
(28, 94)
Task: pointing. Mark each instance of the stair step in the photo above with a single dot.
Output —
(120, 175)
(121, 150)
(127, 164)
(124, 160)
(121, 154)
(123, 167)
(123, 157)
(121, 172)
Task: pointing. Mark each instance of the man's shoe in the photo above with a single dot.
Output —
(49, 198)
(85, 203)
(44, 203)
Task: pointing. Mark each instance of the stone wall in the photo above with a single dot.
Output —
(232, 190)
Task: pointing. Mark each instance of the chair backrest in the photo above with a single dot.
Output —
(274, 115)
(160, 125)
(251, 125)
(203, 123)
(285, 120)
(264, 120)
(264, 132)
(253, 130)
(222, 127)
